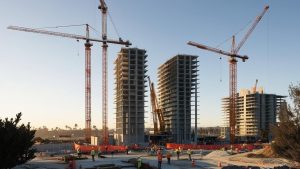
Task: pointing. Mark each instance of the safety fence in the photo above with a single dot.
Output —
(102, 148)
(248, 147)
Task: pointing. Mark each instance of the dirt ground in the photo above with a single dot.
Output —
(256, 159)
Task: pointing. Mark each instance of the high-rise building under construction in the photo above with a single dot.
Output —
(256, 112)
(177, 92)
(130, 70)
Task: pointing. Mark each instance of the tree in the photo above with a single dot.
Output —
(75, 126)
(287, 133)
(16, 142)
(38, 140)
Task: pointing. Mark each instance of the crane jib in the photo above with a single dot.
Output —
(67, 35)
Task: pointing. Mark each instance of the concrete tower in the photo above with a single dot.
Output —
(177, 92)
(130, 69)
(256, 112)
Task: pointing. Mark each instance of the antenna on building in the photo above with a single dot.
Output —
(255, 86)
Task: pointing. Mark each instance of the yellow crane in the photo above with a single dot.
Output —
(156, 110)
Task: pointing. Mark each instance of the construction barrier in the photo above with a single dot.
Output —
(102, 148)
(248, 147)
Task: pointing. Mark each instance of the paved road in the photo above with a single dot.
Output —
(183, 163)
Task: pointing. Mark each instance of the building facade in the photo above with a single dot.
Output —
(130, 74)
(177, 95)
(256, 112)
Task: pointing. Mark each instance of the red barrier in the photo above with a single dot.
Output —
(102, 148)
(249, 147)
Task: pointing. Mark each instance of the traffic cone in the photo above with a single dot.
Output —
(219, 164)
(193, 163)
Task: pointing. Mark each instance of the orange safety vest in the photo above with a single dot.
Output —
(159, 157)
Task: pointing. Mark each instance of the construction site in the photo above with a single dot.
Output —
(173, 103)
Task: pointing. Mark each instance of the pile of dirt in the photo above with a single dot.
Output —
(217, 154)
(266, 152)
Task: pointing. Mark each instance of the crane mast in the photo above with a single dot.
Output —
(103, 8)
(88, 86)
(88, 46)
(233, 56)
(232, 93)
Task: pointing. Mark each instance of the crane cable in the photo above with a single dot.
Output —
(226, 40)
(114, 26)
(220, 69)
(95, 30)
(239, 31)
(60, 26)
(268, 47)
(65, 26)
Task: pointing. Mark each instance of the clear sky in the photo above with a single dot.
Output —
(43, 76)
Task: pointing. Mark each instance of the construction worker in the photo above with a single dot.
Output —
(139, 162)
(78, 152)
(127, 150)
(180, 150)
(158, 151)
(112, 153)
(159, 159)
(152, 151)
(99, 152)
(189, 152)
(177, 152)
(169, 155)
(93, 154)
(201, 153)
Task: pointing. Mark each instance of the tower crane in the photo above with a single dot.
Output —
(87, 45)
(103, 8)
(233, 56)
(156, 110)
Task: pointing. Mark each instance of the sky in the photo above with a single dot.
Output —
(43, 76)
